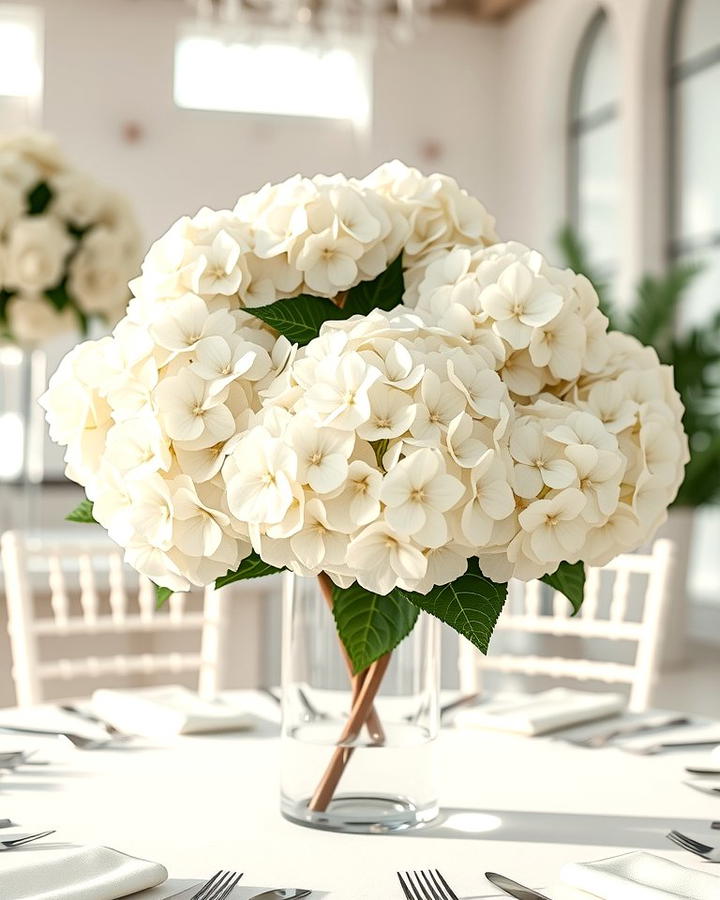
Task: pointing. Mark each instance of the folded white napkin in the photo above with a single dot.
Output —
(641, 876)
(534, 714)
(75, 873)
(165, 711)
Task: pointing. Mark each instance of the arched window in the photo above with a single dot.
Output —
(695, 149)
(594, 170)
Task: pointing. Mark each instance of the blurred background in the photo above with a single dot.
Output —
(590, 129)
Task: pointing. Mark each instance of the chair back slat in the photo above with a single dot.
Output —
(533, 598)
(654, 569)
(96, 667)
(589, 609)
(621, 588)
(146, 599)
(560, 605)
(88, 591)
(117, 596)
(176, 605)
(86, 583)
(58, 592)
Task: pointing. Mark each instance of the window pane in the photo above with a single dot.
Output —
(599, 75)
(699, 28)
(698, 152)
(20, 52)
(704, 569)
(218, 73)
(598, 172)
(702, 299)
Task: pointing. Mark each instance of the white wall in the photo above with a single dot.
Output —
(111, 62)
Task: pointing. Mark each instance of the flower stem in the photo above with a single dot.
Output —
(374, 724)
(358, 716)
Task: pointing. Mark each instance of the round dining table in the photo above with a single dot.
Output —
(520, 806)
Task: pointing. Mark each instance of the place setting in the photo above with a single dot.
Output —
(359, 450)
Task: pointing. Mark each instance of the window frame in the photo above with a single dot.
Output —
(580, 124)
(678, 72)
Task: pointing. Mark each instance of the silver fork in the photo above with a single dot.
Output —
(428, 885)
(711, 854)
(77, 740)
(218, 887)
(18, 842)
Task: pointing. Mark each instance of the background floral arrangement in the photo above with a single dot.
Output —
(68, 246)
(354, 379)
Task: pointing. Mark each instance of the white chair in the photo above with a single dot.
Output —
(523, 613)
(112, 600)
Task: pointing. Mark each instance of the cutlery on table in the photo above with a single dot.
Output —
(428, 885)
(651, 749)
(699, 770)
(707, 787)
(465, 700)
(12, 759)
(513, 889)
(711, 854)
(18, 842)
(451, 706)
(272, 694)
(605, 737)
(282, 894)
(310, 708)
(96, 720)
(218, 887)
(77, 740)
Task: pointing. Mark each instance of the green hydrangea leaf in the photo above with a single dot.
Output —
(371, 625)
(299, 319)
(251, 567)
(83, 512)
(569, 579)
(384, 292)
(162, 595)
(470, 605)
(39, 198)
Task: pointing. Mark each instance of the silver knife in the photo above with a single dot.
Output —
(513, 888)
(652, 749)
(282, 894)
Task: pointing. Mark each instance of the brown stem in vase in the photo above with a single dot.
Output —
(358, 716)
(374, 724)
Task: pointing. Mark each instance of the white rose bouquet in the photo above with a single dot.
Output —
(355, 380)
(67, 245)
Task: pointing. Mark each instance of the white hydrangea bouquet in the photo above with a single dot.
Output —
(353, 379)
(68, 246)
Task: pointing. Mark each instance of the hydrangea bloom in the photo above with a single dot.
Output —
(491, 416)
(67, 245)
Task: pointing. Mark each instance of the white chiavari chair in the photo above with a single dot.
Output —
(610, 621)
(93, 593)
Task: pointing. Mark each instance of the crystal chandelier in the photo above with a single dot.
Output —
(401, 19)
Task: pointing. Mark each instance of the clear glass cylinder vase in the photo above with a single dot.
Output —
(380, 775)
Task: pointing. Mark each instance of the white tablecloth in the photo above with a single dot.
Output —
(520, 806)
